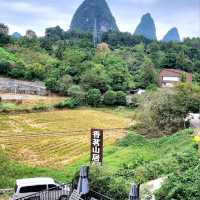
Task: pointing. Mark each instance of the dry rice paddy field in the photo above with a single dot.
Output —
(30, 100)
(57, 138)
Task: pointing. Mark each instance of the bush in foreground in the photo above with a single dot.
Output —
(185, 182)
(103, 181)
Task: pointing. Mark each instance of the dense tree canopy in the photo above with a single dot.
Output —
(62, 59)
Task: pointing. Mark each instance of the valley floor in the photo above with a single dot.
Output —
(56, 138)
(57, 143)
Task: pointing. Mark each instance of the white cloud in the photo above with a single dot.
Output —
(15, 28)
(36, 17)
(19, 6)
(25, 7)
(16, 6)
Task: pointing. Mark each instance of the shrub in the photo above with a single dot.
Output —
(77, 94)
(109, 98)
(183, 183)
(135, 100)
(102, 181)
(120, 98)
(35, 71)
(4, 39)
(52, 84)
(65, 82)
(68, 103)
(42, 107)
(130, 139)
(18, 71)
(4, 66)
(93, 97)
(74, 90)
(152, 170)
(189, 96)
(161, 113)
(7, 106)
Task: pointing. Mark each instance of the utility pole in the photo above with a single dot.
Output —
(95, 33)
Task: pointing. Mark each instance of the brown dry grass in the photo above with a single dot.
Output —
(56, 138)
(30, 100)
(4, 197)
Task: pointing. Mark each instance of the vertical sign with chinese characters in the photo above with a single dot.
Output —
(96, 146)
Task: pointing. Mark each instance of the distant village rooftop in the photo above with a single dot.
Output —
(170, 77)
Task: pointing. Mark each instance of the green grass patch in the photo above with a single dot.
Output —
(7, 56)
(10, 171)
(135, 148)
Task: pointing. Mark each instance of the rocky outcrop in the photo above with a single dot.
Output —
(146, 27)
(172, 36)
(16, 35)
(93, 14)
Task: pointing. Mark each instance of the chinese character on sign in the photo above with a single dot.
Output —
(96, 146)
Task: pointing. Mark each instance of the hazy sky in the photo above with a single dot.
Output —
(21, 15)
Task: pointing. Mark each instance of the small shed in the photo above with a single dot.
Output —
(170, 77)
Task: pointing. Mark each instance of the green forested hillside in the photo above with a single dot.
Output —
(68, 58)
(69, 64)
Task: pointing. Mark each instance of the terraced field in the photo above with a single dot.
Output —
(56, 138)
